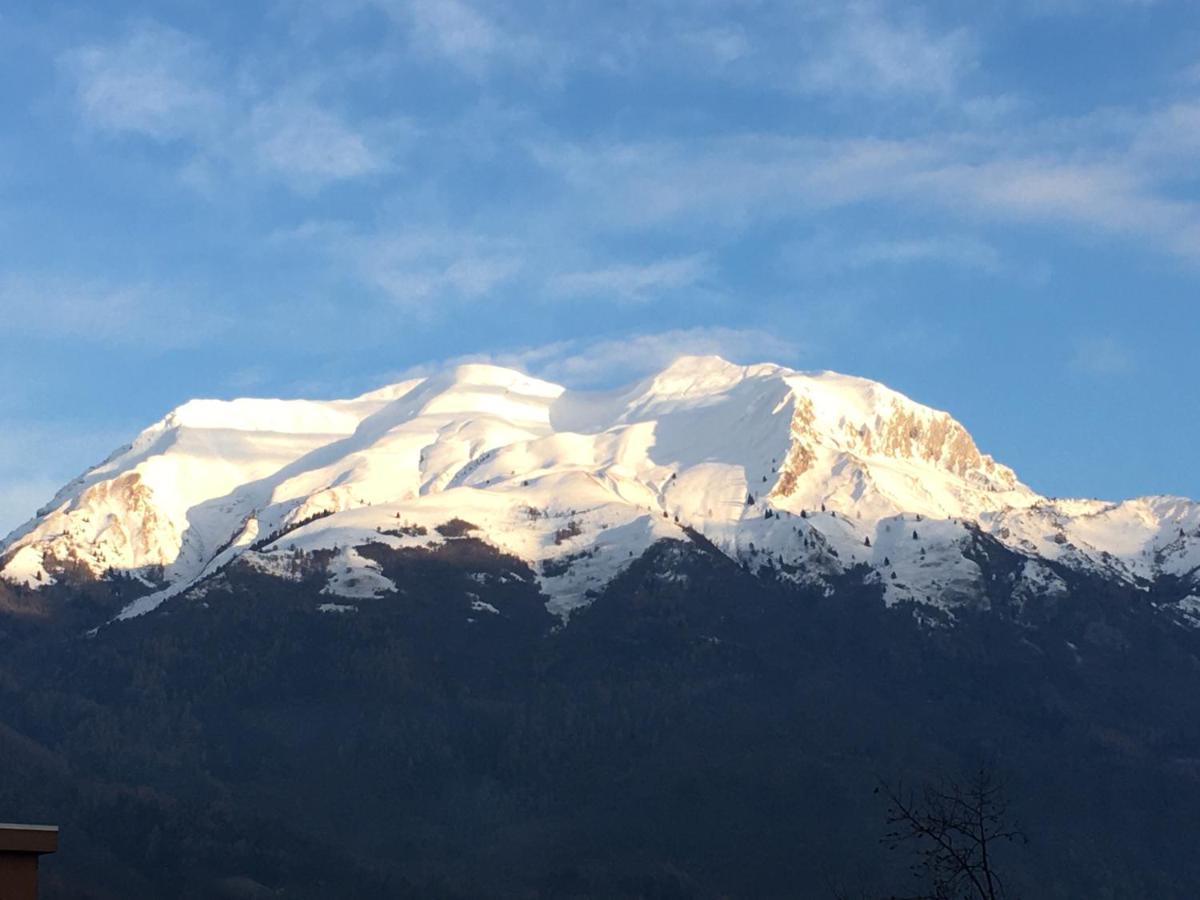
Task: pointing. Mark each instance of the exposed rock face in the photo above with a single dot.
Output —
(801, 455)
(938, 440)
(113, 525)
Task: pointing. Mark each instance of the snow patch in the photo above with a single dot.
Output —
(27, 567)
(337, 608)
(354, 576)
(1190, 608)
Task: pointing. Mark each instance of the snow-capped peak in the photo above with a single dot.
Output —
(576, 482)
(701, 376)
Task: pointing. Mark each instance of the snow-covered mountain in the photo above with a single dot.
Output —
(813, 474)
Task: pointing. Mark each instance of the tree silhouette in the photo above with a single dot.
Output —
(955, 828)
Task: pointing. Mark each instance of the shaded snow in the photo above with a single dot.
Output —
(336, 608)
(1189, 607)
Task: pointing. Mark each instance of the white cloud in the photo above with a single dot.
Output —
(965, 252)
(830, 252)
(97, 312)
(723, 44)
(610, 361)
(151, 83)
(423, 270)
(622, 359)
(1103, 197)
(1170, 135)
(161, 85)
(865, 52)
(631, 282)
(309, 145)
(727, 183)
(456, 29)
(430, 271)
(468, 37)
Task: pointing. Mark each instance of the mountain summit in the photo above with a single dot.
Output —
(814, 474)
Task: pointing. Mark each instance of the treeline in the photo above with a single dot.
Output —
(700, 731)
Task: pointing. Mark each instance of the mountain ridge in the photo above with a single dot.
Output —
(814, 473)
(477, 635)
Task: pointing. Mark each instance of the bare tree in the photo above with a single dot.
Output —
(955, 828)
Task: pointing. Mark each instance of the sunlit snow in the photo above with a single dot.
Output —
(809, 472)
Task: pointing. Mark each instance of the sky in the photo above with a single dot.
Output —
(993, 207)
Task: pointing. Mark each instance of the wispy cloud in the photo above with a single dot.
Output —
(722, 44)
(965, 252)
(621, 359)
(425, 271)
(151, 82)
(456, 30)
(1104, 196)
(624, 358)
(309, 145)
(865, 51)
(159, 84)
(832, 253)
(431, 271)
(731, 181)
(469, 36)
(1101, 356)
(91, 311)
(631, 283)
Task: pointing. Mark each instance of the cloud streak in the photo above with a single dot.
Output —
(160, 85)
(834, 253)
(865, 52)
(308, 145)
(90, 312)
(631, 283)
(150, 83)
(618, 360)
(733, 181)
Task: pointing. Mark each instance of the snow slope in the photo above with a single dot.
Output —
(812, 473)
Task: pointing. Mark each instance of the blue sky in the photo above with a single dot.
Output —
(993, 207)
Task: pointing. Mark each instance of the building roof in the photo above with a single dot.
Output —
(28, 838)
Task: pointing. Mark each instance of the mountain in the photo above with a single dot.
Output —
(815, 474)
(479, 636)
